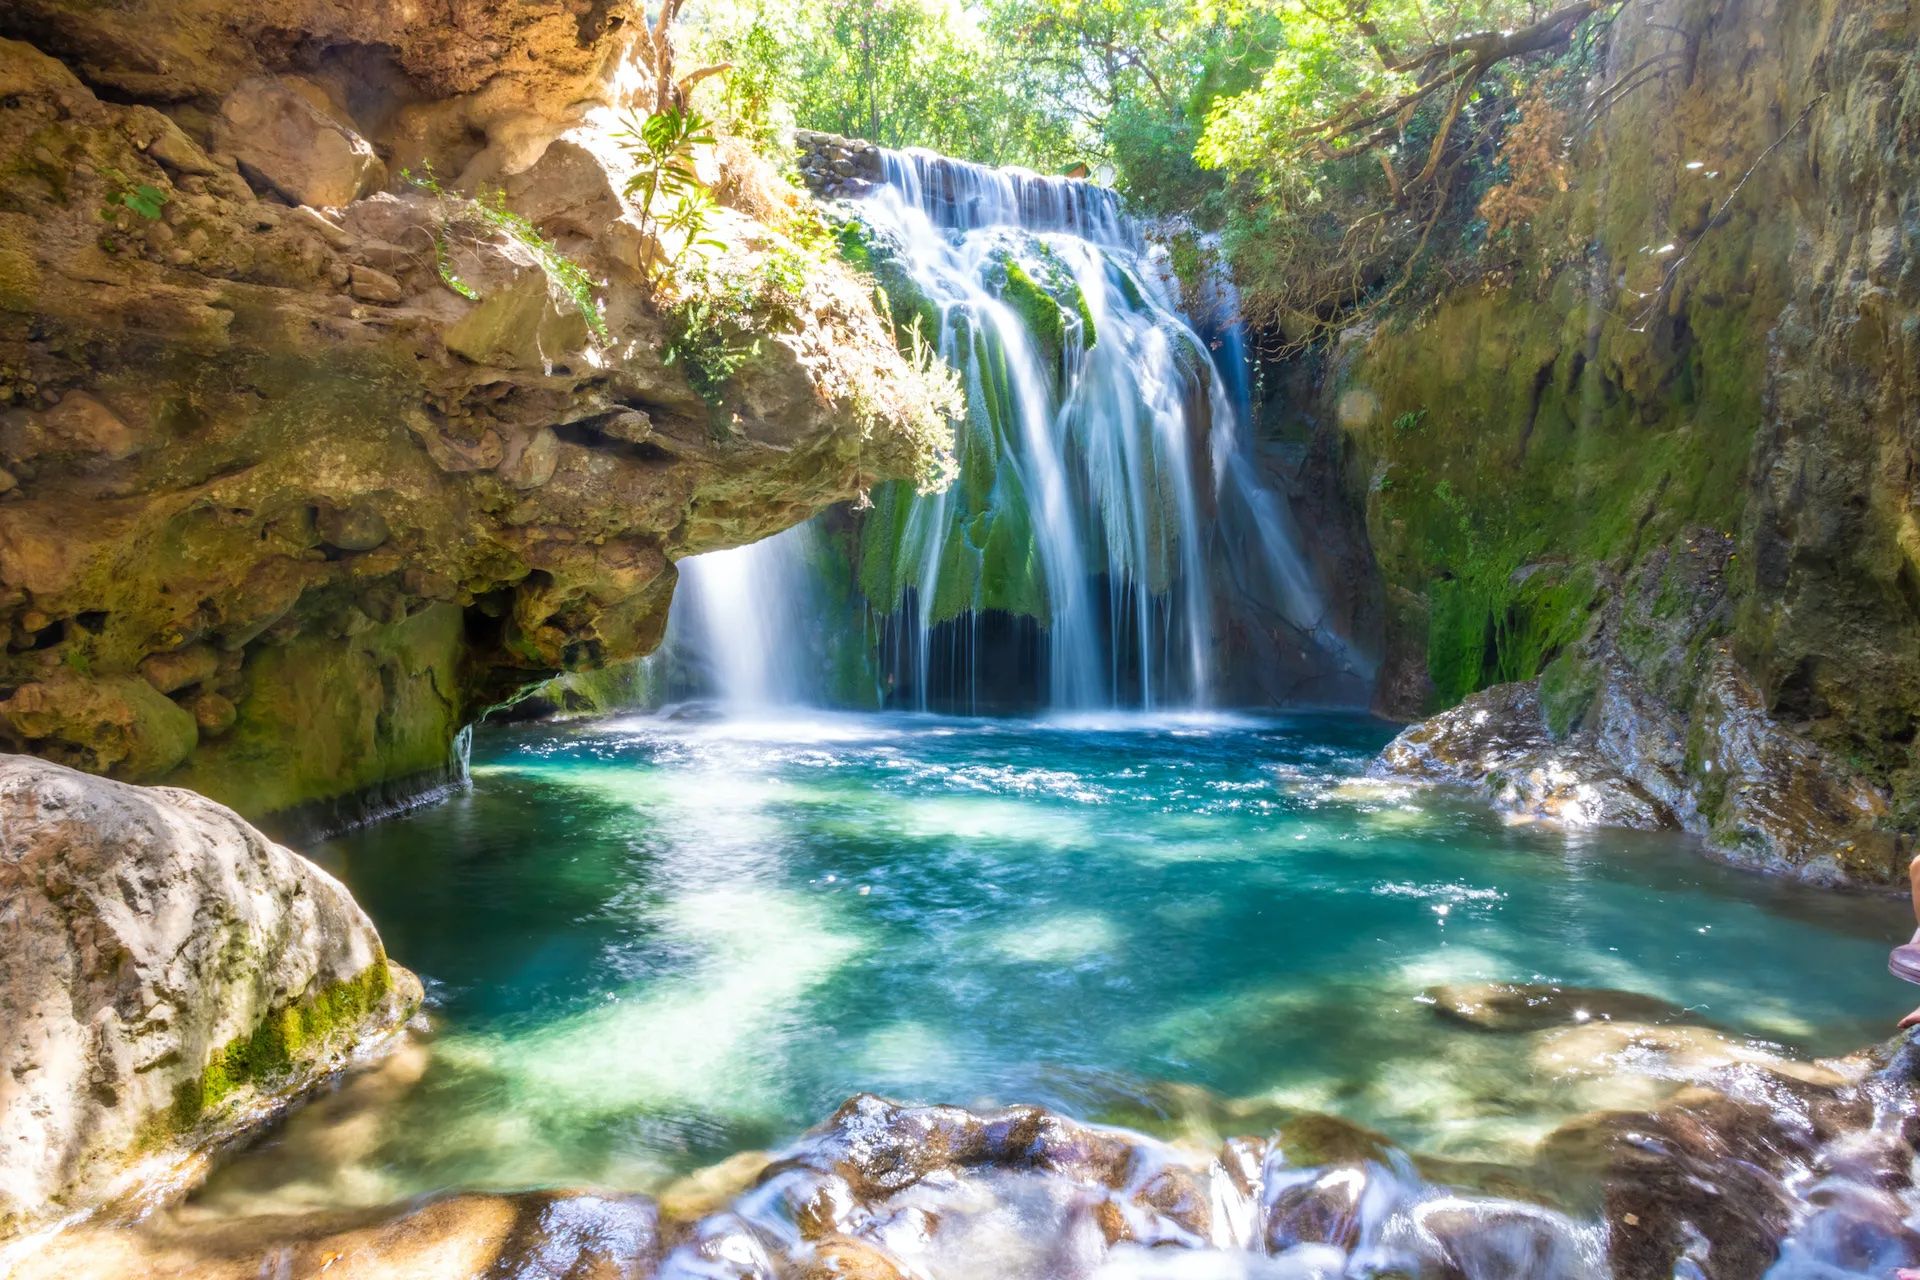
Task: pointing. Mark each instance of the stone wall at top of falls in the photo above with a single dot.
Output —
(1660, 449)
(302, 465)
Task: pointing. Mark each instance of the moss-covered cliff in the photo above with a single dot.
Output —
(302, 464)
(1657, 447)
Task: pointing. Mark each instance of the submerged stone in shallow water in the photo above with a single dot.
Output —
(1534, 1006)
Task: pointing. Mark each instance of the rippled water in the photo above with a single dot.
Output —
(650, 944)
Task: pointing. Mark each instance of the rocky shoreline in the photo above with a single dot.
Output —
(1758, 795)
(1722, 1181)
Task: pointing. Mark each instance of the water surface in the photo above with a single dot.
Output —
(651, 943)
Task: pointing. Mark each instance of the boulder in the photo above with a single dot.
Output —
(172, 976)
(285, 135)
(1497, 742)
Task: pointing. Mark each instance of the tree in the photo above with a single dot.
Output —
(1358, 132)
(895, 72)
(657, 43)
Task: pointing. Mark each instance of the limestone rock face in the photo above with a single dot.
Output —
(1660, 447)
(293, 492)
(281, 129)
(170, 975)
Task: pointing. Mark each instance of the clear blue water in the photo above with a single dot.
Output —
(650, 944)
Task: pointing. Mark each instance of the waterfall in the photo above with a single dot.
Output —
(1104, 473)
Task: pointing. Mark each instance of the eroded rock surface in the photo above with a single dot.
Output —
(1657, 448)
(170, 976)
(304, 465)
(1760, 794)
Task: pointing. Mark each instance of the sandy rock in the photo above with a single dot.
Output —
(171, 672)
(542, 1234)
(281, 130)
(371, 285)
(78, 424)
(131, 1032)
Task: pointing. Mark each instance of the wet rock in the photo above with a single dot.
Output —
(283, 130)
(1699, 1179)
(1315, 1207)
(1496, 741)
(1494, 1238)
(707, 1191)
(133, 1034)
(843, 1258)
(1534, 1006)
(532, 1236)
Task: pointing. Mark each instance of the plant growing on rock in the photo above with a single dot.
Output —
(662, 150)
(491, 214)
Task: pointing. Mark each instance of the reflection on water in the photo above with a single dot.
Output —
(651, 944)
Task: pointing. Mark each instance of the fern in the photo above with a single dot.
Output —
(561, 271)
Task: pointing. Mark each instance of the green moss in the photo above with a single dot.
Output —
(287, 1039)
(1538, 464)
(1568, 687)
(907, 302)
(323, 717)
(1039, 312)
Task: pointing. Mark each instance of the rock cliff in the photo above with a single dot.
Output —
(337, 401)
(1658, 448)
(171, 978)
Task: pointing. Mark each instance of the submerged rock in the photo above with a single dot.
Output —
(171, 976)
(1533, 1006)
(1703, 1185)
(541, 1235)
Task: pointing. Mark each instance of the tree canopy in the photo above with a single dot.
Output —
(1283, 124)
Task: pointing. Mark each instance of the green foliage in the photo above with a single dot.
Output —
(145, 199)
(662, 149)
(712, 332)
(491, 214)
(896, 72)
(443, 263)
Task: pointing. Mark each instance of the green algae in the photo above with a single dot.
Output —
(287, 1040)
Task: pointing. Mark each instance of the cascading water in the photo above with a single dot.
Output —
(1103, 475)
